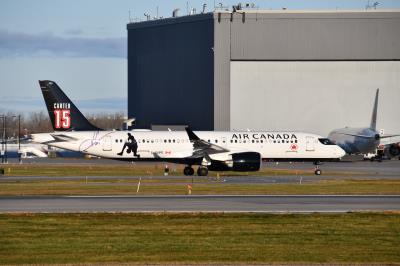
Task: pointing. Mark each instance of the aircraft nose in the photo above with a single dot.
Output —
(340, 151)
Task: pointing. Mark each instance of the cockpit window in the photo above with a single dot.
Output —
(326, 141)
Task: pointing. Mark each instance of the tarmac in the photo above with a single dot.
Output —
(219, 203)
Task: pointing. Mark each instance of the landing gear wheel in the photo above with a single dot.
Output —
(202, 171)
(188, 170)
(317, 172)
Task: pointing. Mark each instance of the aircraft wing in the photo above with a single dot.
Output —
(202, 148)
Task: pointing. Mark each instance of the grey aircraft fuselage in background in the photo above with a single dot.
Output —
(359, 140)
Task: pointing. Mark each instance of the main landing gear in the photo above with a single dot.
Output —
(188, 171)
(201, 171)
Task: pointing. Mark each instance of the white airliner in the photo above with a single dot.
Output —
(363, 140)
(210, 150)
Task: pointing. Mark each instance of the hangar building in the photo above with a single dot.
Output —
(266, 70)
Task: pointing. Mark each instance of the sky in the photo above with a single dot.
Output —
(81, 45)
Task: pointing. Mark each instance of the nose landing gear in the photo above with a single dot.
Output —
(317, 171)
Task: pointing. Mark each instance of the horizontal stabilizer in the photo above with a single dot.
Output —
(389, 136)
(356, 135)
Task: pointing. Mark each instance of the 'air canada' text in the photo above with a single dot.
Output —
(264, 136)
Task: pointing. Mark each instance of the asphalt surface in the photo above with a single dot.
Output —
(273, 204)
(339, 170)
(220, 203)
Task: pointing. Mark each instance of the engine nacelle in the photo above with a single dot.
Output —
(240, 162)
(394, 149)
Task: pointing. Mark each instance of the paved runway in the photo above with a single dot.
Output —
(262, 203)
(351, 170)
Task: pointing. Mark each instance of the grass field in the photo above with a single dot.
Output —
(199, 238)
(133, 170)
(155, 186)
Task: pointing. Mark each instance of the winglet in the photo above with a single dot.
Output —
(374, 111)
(191, 135)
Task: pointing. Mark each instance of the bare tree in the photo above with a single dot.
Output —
(39, 122)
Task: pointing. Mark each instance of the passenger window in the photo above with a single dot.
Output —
(173, 140)
(169, 141)
(216, 141)
(261, 141)
(235, 140)
(252, 140)
(116, 141)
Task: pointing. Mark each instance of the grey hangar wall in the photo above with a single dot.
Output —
(262, 70)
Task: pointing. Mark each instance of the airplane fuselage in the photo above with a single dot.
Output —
(356, 140)
(168, 146)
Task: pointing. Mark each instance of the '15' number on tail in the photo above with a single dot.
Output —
(62, 118)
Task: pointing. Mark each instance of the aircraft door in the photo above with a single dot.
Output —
(310, 143)
(107, 143)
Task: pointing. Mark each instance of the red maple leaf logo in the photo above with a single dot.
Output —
(294, 147)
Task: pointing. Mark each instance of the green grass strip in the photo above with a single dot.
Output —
(179, 187)
(199, 238)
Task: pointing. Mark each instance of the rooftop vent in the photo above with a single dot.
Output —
(175, 12)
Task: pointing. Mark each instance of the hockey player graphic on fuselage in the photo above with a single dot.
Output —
(132, 146)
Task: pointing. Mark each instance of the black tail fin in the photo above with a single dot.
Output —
(63, 113)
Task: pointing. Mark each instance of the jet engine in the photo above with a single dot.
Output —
(241, 162)
(394, 149)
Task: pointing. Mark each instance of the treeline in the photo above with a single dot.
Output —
(39, 122)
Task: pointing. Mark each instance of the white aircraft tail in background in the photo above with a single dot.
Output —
(362, 140)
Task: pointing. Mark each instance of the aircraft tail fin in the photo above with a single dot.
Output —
(374, 111)
(64, 115)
